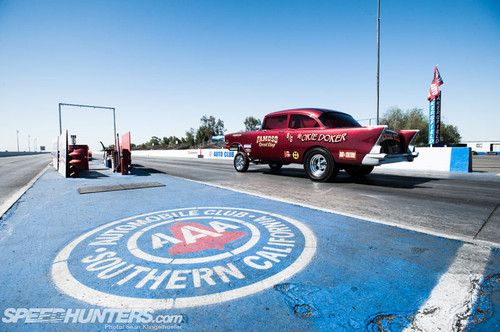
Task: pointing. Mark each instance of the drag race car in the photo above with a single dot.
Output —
(324, 141)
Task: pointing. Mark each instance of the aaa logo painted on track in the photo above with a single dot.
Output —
(183, 258)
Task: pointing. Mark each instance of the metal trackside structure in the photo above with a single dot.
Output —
(71, 159)
(60, 154)
(126, 154)
(61, 105)
(77, 159)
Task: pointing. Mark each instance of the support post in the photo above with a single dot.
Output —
(378, 62)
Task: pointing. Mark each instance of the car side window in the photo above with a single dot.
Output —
(338, 120)
(275, 122)
(302, 121)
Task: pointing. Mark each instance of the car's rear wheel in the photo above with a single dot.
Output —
(275, 166)
(241, 162)
(358, 171)
(320, 166)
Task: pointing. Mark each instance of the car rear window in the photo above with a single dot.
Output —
(275, 122)
(302, 121)
(338, 120)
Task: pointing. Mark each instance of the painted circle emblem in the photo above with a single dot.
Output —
(182, 258)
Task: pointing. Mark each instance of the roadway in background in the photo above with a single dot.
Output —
(459, 206)
(486, 163)
(17, 171)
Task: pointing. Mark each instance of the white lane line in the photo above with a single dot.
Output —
(5, 206)
(451, 301)
(378, 221)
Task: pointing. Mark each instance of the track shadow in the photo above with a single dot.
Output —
(380, 180)
(92, 174)
(140, 170)
(386, 180)
(288, 172)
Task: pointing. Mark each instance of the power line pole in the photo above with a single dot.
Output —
(29, 147)
(378, 62)
(17, 131)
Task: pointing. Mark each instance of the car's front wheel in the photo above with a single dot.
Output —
(275, 166)
(241, 162)
(358, 171)
(320, 166)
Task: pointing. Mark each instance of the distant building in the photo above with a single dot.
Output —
(483, 146)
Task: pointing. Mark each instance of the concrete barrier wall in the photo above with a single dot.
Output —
(166, 153)
(456, 160)
(14, 154)
(219, 154)
(190, 153)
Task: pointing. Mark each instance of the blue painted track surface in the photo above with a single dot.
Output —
(360, 269)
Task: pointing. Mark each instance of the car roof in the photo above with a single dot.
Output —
(311, 111)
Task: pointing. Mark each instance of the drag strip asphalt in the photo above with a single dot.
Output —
(230, 261)
(17, 175)
(455, 206)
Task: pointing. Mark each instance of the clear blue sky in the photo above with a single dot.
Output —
(164, 64)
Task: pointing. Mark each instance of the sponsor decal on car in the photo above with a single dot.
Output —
(289, 137)
(267, 141)
(328, 138)
(347, 154)
(287, 154)
(391, 137)
(295, 155)
(182, 258)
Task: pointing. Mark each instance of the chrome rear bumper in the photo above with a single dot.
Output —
(375, 159)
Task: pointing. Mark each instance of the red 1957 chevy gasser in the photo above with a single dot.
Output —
(324, 141)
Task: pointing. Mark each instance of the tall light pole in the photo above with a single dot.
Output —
(17, 131)
(36, 144)
(29, 147)
(378, 62)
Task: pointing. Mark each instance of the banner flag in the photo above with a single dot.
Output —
(437, 81)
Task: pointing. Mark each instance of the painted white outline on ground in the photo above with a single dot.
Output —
(454, 296)
(67, 284)
(137, 252)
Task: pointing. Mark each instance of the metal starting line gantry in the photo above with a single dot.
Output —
(86, 106)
